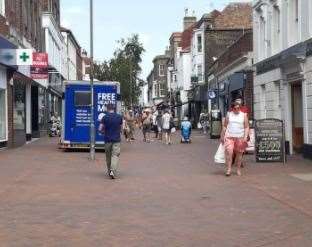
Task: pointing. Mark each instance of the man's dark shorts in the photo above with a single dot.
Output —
(146, 128)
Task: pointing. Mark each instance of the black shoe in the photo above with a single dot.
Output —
(112, 175)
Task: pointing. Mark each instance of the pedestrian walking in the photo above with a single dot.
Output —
(159, 124)
(166, 126)
(203, 120)
(234, 137)
(146, 125)
(246, 110)
(126, 130)
(154, 123)
(111, 128)
(130, 119)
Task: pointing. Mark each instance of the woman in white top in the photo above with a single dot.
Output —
(234, 137)
(166, 119)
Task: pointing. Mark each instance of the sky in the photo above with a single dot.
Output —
(154, 21)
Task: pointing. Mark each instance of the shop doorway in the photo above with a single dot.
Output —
(297, 117)
(34, 112)
(19, 114)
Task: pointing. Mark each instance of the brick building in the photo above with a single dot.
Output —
(24, 111)
(234, 74)
(225, 36)
(20, 27)
(158, 79)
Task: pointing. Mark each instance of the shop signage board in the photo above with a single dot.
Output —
(24, 57)
(8, 56)
(270, 140)
(39, 69)
(13, 57)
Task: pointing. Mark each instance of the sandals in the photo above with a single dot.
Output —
(239, 173)
(228, 172)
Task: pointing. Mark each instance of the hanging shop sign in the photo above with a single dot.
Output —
(39, 69)
(211, 94)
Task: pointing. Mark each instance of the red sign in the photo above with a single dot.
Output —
(39, 69)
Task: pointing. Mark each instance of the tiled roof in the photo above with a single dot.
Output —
(213, 14)
(187, 37)
(209, 17)
(235, 15)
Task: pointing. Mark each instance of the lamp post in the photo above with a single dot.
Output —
(92, 126)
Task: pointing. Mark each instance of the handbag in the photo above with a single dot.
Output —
(219, 157)
(173, 130)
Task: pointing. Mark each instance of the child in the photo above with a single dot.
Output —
(186, 129)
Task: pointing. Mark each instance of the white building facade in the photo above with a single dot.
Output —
(197, 53)
(184, 71)
(283, 62)
(56, 48)
(72, 52)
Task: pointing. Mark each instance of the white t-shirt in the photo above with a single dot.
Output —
(166, 121)
(154, 118)
(236, 125)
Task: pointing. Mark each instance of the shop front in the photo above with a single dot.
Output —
(3, 108)
(199, 103)
(5, 91)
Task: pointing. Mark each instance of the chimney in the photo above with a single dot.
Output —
(189, 21)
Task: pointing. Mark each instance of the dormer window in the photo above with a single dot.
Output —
(199, 43)
(161, 70)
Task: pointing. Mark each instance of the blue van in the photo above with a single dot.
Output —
(77, 111)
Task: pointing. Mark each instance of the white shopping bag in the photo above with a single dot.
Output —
(220, 155)
(173, 130)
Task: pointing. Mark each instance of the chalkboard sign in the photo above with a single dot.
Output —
(270, 141)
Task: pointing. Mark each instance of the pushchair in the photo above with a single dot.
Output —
(186, 130)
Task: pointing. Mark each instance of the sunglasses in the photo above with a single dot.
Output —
(237, 108)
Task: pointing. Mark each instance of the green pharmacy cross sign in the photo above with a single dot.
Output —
(24, 57)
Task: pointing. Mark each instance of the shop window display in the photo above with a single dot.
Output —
(42, 109)
(19, 107)
(2, 115)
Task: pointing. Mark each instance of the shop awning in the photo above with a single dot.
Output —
(236, 81)
(201, 93)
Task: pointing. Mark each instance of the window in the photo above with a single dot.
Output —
(156, 91)
(293, 22)
(277, 19)
(263, 100)
(200, 73)
(2, 115)
(162, 90)
(296, 10)
(42, 105)
(19, 112)
(276, 29)
(199, 43)
(161, 70)
(2, 7)
(262, 43)
(82, 98)
(310, 18)
(277, 86)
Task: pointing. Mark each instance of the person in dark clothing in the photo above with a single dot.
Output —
(111, 128)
